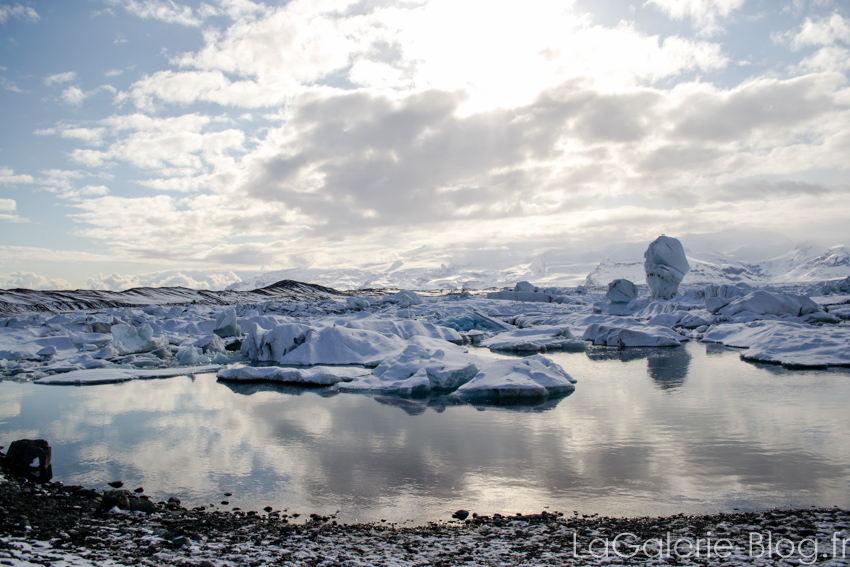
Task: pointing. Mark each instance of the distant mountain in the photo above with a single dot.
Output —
(804, 263)
(732, 256)
(440, 269)
(21, 301)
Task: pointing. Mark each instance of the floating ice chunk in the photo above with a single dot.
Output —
(666, 265)
(506, 381)
(634, 336)
(786, 342)
(357, 303)
(190, 355)
(404, 298)
(175, 311)
(127, 340)
(766, 303)
(342, 345)
(405, 328)
(535, 339)
(98, 340)
(273, 345)
(434, 368)
(210, 345)
(720, 296)
(466, 322)
(226, 324)
(314, 376)
(155, 310)
(525, 286)
(621, 291)
(109, 375)
(47, 351)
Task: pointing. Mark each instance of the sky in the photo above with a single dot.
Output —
(182, 142)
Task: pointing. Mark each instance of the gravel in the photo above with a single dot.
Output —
(53, 524)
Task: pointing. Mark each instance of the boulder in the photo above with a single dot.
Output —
(30, 458)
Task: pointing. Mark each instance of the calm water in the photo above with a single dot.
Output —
(647, 432)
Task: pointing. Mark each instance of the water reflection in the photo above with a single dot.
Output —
(668, 367)
(734, 435)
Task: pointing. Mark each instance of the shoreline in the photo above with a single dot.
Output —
(43, 524)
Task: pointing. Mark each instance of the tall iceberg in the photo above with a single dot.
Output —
(666, 266)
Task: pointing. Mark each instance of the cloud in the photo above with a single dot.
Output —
(17, 11)
(193, 279)
(8, 177)
(826, 31)
(29, 280)
(163, 10)
(60, 78)
(704, 14)
(8, 205)
(268, 60)
(74, 96)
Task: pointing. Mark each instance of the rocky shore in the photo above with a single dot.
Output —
(53, 524)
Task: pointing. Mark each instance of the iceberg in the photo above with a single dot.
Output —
(763, 302)
(535, 339)
(633, 336)
(510, 381)
(112, 375)
(621, 291)
(314, 376)
(126, 339)
(343, 345)
(666, 265)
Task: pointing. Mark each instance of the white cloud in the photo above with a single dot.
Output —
(60, 78)
(17, 11)
(704, 14)
(74, 96)
(8, 205)
(194, 279)
(29, 280)
(270, 60)
(163, 10)
(829, 31)
(8, 177)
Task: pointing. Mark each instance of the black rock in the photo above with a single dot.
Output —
(461, 515)
(30, 458)
(116, 484)
(139, 490)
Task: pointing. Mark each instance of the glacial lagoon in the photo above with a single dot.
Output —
(654, 431)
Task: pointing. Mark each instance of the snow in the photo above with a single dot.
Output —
(666, 266)
(763, 302)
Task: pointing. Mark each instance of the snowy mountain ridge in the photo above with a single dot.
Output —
(753, 258)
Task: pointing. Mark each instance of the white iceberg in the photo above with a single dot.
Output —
(126, 339)
(535, 339)
(313, 376)
(632, 336)
(343, 345)
(767, 303)
(419, 369)
(110, 375)
(666, 265)
(226, 324)
(621, 291)
(506, 381)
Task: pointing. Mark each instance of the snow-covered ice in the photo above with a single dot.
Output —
(666, 266)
